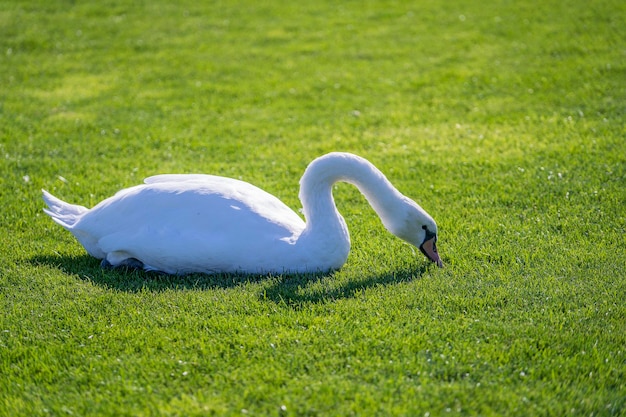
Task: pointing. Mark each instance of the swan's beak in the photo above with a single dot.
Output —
(429, 248)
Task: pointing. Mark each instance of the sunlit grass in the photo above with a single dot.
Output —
(505, 121)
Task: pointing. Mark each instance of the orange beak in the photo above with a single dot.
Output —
(429, 248)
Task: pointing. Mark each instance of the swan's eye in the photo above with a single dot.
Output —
(429, 234)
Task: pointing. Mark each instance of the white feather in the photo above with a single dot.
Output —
(181, 224)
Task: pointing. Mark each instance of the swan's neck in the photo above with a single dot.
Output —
(322, 218)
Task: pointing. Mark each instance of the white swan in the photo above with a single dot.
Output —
(180, 224)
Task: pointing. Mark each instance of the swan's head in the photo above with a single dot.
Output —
(415, 226)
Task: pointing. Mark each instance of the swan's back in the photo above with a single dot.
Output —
(176, 224)
(206, 202)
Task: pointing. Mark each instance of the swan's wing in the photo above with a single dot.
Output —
(194, 230)
(235, 191)
(177, 226)
(179, 178)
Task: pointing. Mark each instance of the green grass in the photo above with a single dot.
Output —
(505, 120)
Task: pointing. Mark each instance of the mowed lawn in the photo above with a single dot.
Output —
(505, 120)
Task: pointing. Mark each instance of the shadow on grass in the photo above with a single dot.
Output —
(297, 290)
(289, 289)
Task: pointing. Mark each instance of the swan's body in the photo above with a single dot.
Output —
(180, 224)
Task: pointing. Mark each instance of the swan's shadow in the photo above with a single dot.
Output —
(290, 289)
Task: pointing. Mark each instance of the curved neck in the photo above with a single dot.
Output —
(316, 191)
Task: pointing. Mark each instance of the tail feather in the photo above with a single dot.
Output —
(63, 213)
